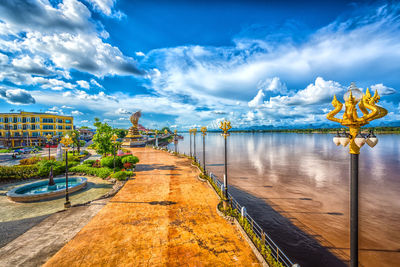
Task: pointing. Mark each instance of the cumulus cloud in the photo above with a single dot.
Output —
(122, 111)
(83, 84)
(17, 96)
(76, 113)
(258, 100)
(42, 39)
(382, 89)
(94, 82)
(140, 54)
(106, 7)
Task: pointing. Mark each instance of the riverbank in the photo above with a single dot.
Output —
(165, 216)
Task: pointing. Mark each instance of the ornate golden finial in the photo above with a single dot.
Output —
(194, 130)
(175, 132)
(114, 138)
(225, 126)
(203, 130)
(66, 141)
(350, 117)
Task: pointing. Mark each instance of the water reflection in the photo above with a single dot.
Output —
(295, 166)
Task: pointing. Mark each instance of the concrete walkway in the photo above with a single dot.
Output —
(163, 217)
(38, 244)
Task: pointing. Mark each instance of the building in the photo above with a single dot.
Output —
(86, 134)
(30, 128)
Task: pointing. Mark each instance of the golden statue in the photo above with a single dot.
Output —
(134, 138)
(135, 118)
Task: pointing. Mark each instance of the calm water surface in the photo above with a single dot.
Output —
(305, 177)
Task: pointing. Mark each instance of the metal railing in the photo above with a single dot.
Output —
(266, 240)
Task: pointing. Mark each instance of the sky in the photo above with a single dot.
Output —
(194, 63)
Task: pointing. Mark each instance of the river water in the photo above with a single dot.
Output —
(297, 187)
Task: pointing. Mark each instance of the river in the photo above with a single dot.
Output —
(297, 187)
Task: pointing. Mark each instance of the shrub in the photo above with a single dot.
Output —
(122, 175)
(89, 162)
(18, 172)
(109, 162)
(97, 164)
(5, 150)
(130, 159)
(128, 165)
(33, 160)
(99, 172)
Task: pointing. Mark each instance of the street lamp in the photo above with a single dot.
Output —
(51, 181)
(356, 140)
(203, 133)
(175, 141)
(165, 131)
(194, 143)
(190, 142)
(73, 143)
(225, 126)
(114, 138)
(66, 141)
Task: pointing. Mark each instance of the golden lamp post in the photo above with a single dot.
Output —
(355, 140)
(165, 131)
(225, 126)
(113, 139)
(49, 137)
(66, 141)
(190, 142)
(204, 133)
(175, 141)
(194, 131)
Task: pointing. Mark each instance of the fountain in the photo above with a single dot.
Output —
(42, 191)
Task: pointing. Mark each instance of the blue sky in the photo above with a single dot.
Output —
(194, 63)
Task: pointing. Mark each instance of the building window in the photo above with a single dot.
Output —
(33, 127)
(1, 127)
(38, 126)
(24, 127)
(47, 120)
(68, 127)
(59, 120)
(59, 127)
(48, 127)
(19, 126)
(35, 134)
(67, 121)
(59, 133)
(23, 120)
(28, 119)
(15, 120)
(1, 119)
(15, 127)
(6, 120)
(37, 119)
(19, 119)
(16, 134)
(26, 134)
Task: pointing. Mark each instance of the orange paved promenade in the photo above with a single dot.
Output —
(163, 217)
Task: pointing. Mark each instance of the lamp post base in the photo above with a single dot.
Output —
(225, 204)
(67, 205)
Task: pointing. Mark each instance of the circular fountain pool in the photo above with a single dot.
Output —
(40, 190)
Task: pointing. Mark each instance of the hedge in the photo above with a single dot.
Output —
(99, 172)
(18, 172)
(122, 175)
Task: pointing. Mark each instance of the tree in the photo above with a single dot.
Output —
(163, 129)
(102, 138)
(75, 140)
(121, 133)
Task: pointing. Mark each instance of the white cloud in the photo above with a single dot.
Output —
(83, 84)
(106, 7)
(16, 96)
(382, 89)
(76, 113)
(258, 100)
(84, 121)
(94, 82)
(140, 54)
(122, 111)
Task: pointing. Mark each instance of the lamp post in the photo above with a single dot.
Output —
(66, 141)
(51, 181)
(194, 130)
(175, 141)
(73, 143)
(114, 138)
(204, 133)
(225, 126)
(165, 131)
(190, 142)
(355, 140)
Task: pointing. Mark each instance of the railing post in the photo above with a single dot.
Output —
(262, 237)
(243, 212)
